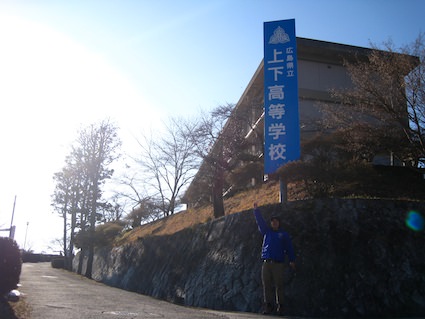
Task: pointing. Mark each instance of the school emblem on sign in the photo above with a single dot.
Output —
(279, 36)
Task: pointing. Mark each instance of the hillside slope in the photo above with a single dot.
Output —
(264, 195)
(380, 182)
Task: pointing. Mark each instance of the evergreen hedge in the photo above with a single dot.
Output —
(10, 265)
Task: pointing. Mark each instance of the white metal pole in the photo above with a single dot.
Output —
(26, 232)
(11, 222)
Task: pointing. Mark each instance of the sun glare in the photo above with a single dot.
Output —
(51, 86)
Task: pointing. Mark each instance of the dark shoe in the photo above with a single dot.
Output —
(267, 309)
(279, 310)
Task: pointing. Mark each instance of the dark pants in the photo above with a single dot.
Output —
(272, 277)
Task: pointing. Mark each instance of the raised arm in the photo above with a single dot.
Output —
(262, 226)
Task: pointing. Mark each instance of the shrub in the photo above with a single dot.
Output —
(106, 233)
(10, 265)
(58, 262)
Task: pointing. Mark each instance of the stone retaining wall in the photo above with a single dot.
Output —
(354, 258)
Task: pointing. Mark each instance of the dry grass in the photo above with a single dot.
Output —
(21, 308)
(266, 194)
(15, 310)
(385, 186)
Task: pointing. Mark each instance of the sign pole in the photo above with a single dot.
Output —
(283, 191)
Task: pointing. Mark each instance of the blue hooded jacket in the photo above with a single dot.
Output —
(276, 244)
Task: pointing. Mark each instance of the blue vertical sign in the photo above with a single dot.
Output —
(281, 120)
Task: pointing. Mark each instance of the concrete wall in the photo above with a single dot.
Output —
(354, 258)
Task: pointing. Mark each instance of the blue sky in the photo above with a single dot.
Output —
(64, 64)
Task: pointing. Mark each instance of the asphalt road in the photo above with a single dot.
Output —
(56, 293)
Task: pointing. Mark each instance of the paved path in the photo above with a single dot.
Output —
(56, 293)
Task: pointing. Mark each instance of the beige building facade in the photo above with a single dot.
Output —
(320, 70)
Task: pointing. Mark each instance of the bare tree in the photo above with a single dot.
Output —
(168, 163)
(389, 93)
(147, 211)
(221, 143)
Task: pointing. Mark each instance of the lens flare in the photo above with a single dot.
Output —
(415, 221)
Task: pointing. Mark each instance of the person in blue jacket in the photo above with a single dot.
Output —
(276, 246)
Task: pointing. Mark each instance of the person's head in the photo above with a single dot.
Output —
(275, 222)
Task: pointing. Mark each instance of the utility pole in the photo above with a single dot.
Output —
(12, 228)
